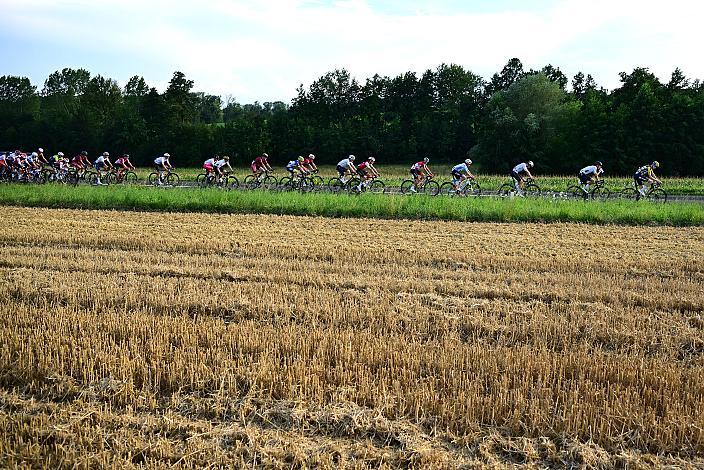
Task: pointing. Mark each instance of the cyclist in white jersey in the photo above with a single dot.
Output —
(519, 173)
(102, 162)
(162, 164)
(588, 174)
(461, 172)
(220, 164)
(346, 167)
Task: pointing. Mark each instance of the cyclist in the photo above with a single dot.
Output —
(366, 172)
(588, 174)
(41, 158)
(123, 165)
(519, 173)
(260, 165)
(208, 167)
(461, 172)
(346, 167)
(295, 165)
(102, 162)
(645, 174)
(80, 162)
(309, 163)
(419, 171)
(220, 164)
(162, 164)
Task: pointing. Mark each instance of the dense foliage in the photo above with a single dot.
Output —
(446, 113)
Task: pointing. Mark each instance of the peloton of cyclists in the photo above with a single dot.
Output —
(645, 174)
(590, 174)
(519, 173)
(461, 172)
(345, 168)
(366, 172)
(161, 165)
(420, 171)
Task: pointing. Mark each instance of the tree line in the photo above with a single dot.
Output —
(447, 113)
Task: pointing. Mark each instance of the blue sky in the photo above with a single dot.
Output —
(262, 50)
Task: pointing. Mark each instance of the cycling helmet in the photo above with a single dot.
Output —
(351, 158)
(34, 154)
(106, 154)
(468, 162)
(60, 154)
(167, 155)
(126, 155)
(300, 159)
(371, 159)
(426, 160)
(598, 163)
(40, 150)
(655, 164)
(265, 155)
(530, 163)
(84, 153)
(311, 156)
(226, 158)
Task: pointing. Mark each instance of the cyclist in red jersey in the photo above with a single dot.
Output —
(309, 163)
(260, 165)
(419, 170)
(123, 165)
(366, 172)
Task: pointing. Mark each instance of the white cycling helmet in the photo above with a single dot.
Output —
(371, 159)
(311, 156)
(167, 155)
(426, 160)
(60, 154)
(530, 163)
(106, 154)
(41, 150)
(34, 154)
(468, 161)
(351, 158)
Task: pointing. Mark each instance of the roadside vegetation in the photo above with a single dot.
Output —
(342, 205)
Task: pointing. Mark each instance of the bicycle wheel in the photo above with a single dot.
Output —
(172, 179)
(270, 183)
(317, 182)
(231, 182)
(129, 178)
(406, 187)
(531, 190)
(376, 187)
(657, 195)
(630, 193)
(287, 184)
(200, 179)
(335, 185)
(447, 189)
(575, 192)
(251, 182)
(353, 186)
(600, 194)
(431, 188)
(92, 178)
(507, 190)
(153, 178)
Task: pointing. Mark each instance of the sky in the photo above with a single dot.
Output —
(263, 50)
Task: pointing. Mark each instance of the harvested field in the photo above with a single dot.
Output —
(191, 339)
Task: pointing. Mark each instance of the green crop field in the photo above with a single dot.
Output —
(342, 205)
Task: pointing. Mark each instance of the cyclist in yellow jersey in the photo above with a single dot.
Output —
(645, 174)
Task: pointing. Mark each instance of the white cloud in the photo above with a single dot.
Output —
(264, 50)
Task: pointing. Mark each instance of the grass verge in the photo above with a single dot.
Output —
(335, 205)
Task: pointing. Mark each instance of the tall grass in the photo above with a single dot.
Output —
(336, 205)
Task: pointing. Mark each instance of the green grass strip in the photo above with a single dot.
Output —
(341, 205)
